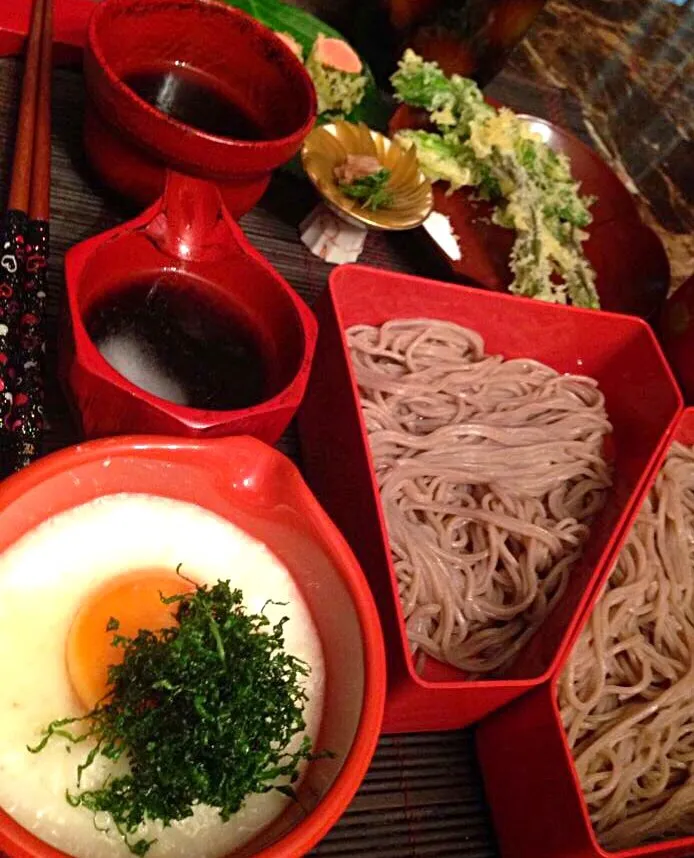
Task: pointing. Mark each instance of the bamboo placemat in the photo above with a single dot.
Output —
(423, 795)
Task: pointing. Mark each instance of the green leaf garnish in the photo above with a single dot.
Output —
(370, 191)
(204, 713)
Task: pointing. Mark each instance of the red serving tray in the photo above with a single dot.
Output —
(70, 19)
(530, 780)
(643, 402)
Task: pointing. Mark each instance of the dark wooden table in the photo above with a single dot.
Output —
(423, 795)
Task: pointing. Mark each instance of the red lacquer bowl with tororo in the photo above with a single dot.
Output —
(193, 85)
(677, 336)
(93, 517)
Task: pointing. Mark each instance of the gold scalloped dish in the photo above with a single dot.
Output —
(328, 146)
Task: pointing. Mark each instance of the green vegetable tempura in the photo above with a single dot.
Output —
(203, 713)
(441, 157)
(497, 153)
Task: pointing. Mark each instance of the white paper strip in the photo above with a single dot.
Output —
(439, 228)
(331, 238)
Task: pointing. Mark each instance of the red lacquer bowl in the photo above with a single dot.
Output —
(130, 143)
(189, 234)
(631, 266)
(259, 490)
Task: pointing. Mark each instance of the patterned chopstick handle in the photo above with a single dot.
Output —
(12, 272)
(27, 420)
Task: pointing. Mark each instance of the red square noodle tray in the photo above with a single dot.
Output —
(530, 780)
(643, 403)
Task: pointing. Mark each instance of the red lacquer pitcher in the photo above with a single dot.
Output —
(188, 239)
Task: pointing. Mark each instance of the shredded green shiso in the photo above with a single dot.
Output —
(497, 153)
(371, 191)
(203, 712)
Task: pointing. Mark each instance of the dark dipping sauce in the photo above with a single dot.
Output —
(155, 331)
(195, 99)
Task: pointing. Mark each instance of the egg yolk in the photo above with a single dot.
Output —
(134, 599)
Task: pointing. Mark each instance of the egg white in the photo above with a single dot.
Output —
(44, 578)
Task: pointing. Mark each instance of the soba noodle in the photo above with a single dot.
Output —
(490, 471)
(626, 695)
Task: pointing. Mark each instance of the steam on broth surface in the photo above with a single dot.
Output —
(46, 577)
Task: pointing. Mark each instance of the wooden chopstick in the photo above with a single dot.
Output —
(24, 143)
(15, 223)
(22, 266)
(26, 420)
(39, 203)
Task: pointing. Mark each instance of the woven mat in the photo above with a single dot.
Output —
(423, 794)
